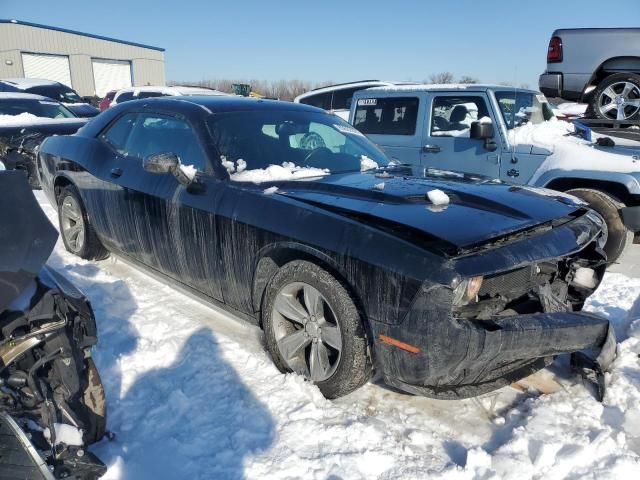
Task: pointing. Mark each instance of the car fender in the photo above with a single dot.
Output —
(630, 181)
(271, 257)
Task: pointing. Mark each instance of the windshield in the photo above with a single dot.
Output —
(39, 108)
(258, 140)
(61, 93)
(519, 107)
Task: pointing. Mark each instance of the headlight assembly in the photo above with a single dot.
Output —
(467, 290)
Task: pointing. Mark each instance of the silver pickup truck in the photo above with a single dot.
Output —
(509, 134)
(598, 66)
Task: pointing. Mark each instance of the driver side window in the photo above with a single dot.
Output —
(451, 116)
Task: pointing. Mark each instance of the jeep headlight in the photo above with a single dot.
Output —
(467, 290)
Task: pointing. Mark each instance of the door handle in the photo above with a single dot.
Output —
(431, 149)
(513, 173)
(116, 172)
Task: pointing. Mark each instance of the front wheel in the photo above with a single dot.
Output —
(312, 327)
(607, 207)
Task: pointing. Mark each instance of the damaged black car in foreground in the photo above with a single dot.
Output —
(289, 217)
(52, 402)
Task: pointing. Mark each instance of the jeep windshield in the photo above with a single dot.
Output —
(272, 139)
(520, 107)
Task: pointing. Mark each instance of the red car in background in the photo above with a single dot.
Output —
(106, 101)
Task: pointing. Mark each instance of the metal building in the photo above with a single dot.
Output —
(90, 64)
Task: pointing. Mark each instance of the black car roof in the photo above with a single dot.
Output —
(226, 103)
(194, 106)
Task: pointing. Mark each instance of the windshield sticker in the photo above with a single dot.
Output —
(542, 98)
(347, 129)
(367, 101)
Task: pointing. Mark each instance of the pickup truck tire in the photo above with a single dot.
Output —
(617, 97)
(607, 207)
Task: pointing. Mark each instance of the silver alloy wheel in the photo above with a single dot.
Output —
(306, 331)
(72, 223)
(619, 101)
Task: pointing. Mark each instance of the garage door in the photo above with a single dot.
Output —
(111, 75)
(49, 67)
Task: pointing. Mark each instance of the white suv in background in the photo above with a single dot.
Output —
(136, 93)
(337, 98)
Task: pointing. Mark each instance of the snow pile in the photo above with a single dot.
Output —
(189, 171)
(270, 190)
(67, 434)
(568, 152)
(26, 119)
(438, 197)
(274, 173)
(571, 109)
(367, 164)
(379, 186)
(192, 394)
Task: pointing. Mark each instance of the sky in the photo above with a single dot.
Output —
(493, 41)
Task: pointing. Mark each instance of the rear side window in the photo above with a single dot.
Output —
(150, 94)
(342, 98)
(387, 116)
(320, 100)
(124, 97)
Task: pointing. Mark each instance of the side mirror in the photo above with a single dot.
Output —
(164, 162)
(481, 130)
(167, 162)
(484, 131)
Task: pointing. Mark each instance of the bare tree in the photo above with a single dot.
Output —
(467, 79)
(442, 77)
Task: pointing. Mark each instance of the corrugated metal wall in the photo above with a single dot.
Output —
(147, 64)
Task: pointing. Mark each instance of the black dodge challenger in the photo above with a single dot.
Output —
(449, 286)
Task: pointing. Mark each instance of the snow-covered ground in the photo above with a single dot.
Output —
(192, 394)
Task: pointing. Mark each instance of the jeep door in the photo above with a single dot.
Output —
(447, 144)
(393, 122)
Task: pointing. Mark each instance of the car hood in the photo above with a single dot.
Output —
(47, 126)
(479, 210)
(26, 236)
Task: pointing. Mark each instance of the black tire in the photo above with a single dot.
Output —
(608, 208)
(594, 104)
(95, 401)
(92, 248)
(354, 367)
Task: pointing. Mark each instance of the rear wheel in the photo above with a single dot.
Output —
(312, 327)
(617, 97)
(608, 208)
(77, 233)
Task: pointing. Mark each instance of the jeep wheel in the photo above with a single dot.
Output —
(608, 208)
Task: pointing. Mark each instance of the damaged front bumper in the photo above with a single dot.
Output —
(469, 358)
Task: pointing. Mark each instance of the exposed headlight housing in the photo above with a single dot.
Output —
(467, 290)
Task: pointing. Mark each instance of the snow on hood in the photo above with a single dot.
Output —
(569, 152)
(274, 173)
(26, 119)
